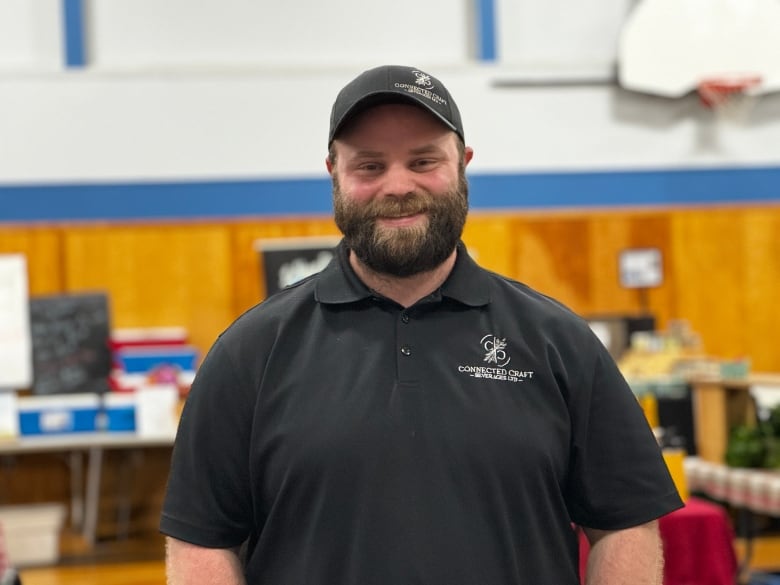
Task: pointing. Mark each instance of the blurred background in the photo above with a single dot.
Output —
(155, 154)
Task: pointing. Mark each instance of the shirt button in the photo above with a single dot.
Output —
(405, 318)
(406, 350)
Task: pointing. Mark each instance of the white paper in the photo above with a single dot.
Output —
(155, 410)
(15, 341)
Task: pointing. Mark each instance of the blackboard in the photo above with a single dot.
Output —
(285, 261)
(70, 343)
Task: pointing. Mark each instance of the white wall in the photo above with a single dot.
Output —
(236, 89)
(30, 35)
(283, 33)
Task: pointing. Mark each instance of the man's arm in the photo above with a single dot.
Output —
(633, 556)
(190, 564)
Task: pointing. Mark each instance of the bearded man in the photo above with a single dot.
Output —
(405, 416)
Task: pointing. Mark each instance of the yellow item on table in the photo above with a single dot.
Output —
(675, 460)
(649, 404)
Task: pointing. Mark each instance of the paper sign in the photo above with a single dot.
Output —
(641, 268)
(15, 342)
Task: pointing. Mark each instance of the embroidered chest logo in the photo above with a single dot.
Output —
(495, 358)
(495, 350)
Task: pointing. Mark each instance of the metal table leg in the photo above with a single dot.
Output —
(92, 503)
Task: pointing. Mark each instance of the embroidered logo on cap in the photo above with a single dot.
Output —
(423, 84)
(423, 79)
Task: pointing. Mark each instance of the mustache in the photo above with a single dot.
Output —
(410, 204)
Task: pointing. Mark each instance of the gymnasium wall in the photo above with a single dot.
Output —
(145, 145)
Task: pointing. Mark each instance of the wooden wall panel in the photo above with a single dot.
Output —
(157, 275)
(761, 257)
(553, 256)
(709, 265)
(613, 233)
(721, 267)
(41, 246)
(249, 288)
(490, 239)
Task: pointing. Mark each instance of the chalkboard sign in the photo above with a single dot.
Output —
(285, 261)
(70, 343)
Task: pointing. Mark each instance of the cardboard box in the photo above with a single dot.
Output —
(32, 533)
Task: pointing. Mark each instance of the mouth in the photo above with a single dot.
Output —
(401, 220)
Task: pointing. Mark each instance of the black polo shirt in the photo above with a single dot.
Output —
(355, 442)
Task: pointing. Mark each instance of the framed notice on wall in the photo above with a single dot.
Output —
(641, 268)
(285, 261)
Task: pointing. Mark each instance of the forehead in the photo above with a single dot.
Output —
(402, 116)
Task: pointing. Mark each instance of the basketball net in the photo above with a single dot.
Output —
(729, 96)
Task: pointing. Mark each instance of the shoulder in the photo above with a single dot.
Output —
(287, 306)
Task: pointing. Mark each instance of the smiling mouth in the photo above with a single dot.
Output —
(400, 217)
(402, 214)
(401, 220)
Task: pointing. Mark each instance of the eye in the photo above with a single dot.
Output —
(423, 163)
(369, 167)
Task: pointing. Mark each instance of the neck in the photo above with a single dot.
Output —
(406, 290)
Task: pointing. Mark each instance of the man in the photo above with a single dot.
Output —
(405, 416)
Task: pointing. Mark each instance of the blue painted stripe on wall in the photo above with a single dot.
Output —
(486, 30)
(73, 24)
(228, 199)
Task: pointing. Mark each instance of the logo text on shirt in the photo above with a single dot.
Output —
(497, 357)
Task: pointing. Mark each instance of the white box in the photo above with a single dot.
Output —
(32, 533)
(156, 410)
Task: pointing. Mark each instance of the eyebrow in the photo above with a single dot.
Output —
(427, 149)
(367, 154)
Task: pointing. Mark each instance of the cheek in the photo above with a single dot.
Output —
(357, 191)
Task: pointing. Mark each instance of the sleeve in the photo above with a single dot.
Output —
(617, 476)
(208, 498)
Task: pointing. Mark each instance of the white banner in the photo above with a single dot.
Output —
(15, 342)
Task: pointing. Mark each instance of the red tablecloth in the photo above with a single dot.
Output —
(698, 546)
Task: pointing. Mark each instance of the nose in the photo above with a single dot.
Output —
(399, 181)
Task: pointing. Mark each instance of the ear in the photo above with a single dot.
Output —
(329, 165)
(468, 154)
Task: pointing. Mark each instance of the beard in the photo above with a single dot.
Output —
(403, 251)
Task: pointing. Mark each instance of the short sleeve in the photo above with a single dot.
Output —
(617, 476)
(208, 498)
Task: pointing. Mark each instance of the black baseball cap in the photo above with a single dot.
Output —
(392, 84)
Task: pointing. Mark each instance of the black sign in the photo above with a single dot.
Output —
(286, 261)
(70, 343)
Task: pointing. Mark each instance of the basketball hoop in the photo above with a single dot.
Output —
(729, 96)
